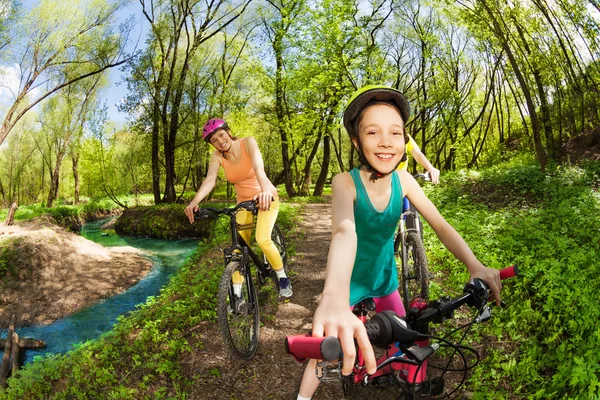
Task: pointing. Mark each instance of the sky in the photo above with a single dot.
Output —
(115, 93)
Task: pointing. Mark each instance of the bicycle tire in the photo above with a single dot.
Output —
(413, 274)
(239, 322)
(279, 241)
(349, 388)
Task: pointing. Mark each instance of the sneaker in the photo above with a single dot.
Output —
(285, 288)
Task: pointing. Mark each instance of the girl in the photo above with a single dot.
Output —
(243, 166)
(366, 207)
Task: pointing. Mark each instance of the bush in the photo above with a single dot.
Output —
(166, 221)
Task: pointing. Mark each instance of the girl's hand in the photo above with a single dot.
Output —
(434, 175)
(334, 318)
(491, 277)
(190, 210)
(264, 200)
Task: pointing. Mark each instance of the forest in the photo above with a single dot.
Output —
(485, 80)
(505, 102)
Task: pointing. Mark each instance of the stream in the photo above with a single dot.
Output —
(93, 321)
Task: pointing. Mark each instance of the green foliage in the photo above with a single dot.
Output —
(69, 217)
(166, 221)
(547, 224)
(7, 256)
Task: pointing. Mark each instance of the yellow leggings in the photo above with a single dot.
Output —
(265, 220)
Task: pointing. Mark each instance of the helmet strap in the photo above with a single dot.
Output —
(374, 173)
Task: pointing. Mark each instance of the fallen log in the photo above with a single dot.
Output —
(6, 356)
(26, 343)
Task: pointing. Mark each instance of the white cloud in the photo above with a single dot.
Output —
(9, 82)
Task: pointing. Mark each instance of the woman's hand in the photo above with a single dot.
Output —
(491, 277)
(190, 210)
(264, 200)
(334, 318)
(434, 175)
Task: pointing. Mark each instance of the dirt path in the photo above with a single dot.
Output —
(272, 374)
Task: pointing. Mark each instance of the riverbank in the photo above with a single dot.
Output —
(51, 272)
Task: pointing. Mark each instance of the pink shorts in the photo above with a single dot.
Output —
(390, 302)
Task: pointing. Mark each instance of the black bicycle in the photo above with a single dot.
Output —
(237, 308)
(413, 272)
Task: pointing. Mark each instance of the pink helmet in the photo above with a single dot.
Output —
(211, 126)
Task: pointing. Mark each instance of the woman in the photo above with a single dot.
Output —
(243, 165)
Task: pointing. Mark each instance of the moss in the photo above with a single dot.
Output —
(165, 221)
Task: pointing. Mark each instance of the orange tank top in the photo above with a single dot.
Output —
(243, 177)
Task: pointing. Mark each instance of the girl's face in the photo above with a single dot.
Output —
(381, 133)
(221, 140)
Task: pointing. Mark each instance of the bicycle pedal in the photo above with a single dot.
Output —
(328, 372)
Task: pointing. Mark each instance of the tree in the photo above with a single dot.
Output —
(178, 29)
(61, 44)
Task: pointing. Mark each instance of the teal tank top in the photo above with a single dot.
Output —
(374, 273)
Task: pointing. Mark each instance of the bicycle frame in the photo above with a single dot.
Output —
(244, 251)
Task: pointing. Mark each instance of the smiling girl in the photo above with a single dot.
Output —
(244, 167)
(366, 208)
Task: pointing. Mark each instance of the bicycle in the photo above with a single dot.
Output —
(406, 342)
(238, 314)
(410, 253)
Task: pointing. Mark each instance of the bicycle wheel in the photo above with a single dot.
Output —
(412, 272)
(279, 241)
(239, 317)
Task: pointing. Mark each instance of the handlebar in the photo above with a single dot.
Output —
(208, 212)
(425, 176)
(387, 327)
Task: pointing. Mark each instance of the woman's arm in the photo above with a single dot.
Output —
(207, 185)
(448, 235)
(333, 316)
(265, 195)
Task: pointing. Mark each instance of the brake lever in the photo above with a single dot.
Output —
(484, 315)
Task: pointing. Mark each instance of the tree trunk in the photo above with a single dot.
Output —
(320, 184)
(307, 177)
(155, 153)
(55, 181)
(11, 215)
(282, 124)
(75, 159)
(535, 124)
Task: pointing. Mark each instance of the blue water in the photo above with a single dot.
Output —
(90, 323)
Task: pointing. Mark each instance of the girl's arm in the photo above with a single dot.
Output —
(333, 316)
(207, 185)
(265, 195)
(424, 162)
(448, 235)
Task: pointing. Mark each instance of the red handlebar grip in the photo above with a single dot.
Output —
(509, 272)
(305, 346)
